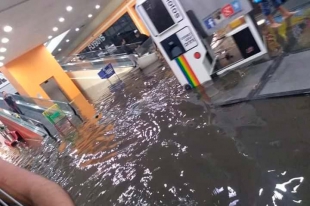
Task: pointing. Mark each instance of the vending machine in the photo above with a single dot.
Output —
(177, 39)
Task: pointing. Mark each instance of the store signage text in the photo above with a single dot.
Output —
(174, 10)
(96, 42)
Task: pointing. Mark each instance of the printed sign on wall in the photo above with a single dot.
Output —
(228, 10)
(220, 15)
(237, 6)
(210, 23)
(216, 14)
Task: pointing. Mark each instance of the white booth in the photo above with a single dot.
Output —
(175, 36)
(179, 29)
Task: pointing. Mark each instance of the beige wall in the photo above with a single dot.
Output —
(90, 83)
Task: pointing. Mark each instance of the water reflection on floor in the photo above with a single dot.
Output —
(154, 144)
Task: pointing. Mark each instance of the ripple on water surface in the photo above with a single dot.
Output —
(155, 144)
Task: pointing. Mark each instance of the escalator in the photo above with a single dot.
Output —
(31, 131)
(33, 109)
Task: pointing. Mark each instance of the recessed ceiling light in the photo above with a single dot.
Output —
(50, 37)
(2, 49)
(67, 40)
(69, 8)
(5, 40)
(7, 28)
(55, 29)
(90, 15)
(1, 64)
(61, 19)
(59, 49)
(2, 58)
(97, 6)
(77, 29)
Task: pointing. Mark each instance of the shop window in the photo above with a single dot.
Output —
(124, 27)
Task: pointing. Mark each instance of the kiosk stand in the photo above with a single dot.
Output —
(231, 22)
(173, 32)
(176, 38)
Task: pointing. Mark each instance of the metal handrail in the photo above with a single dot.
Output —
(118, 47)
(40, 125)
(36, 107)
(23, 123)
(92, 56)
(9, 197)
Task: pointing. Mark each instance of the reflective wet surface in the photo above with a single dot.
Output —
(155, 144)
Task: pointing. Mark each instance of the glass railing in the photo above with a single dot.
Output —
(93, 60)
(42, 104)
(112, 51)
(33, 109)
(121, 61)
(116, 56)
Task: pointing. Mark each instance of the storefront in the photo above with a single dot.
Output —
(123, 28)
(121, 24)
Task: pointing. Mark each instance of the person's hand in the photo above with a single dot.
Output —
(31, 189)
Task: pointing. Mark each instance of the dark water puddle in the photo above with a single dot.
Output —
(155, 144)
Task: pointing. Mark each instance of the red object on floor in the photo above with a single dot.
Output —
(17, 138)
(11, 144)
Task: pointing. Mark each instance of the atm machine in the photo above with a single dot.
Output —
(176, 27)
(177, 39)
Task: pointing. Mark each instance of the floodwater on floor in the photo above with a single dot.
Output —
(156, 144)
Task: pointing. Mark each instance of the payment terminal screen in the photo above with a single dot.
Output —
(158, 14)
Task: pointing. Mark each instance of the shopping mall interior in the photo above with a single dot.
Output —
(157, 102)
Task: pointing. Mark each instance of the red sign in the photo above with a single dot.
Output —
(228, 10)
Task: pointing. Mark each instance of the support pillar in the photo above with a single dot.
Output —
(30, 70)
(136, 19)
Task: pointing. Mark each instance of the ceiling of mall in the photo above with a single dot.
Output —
(32, 22)
(86, 31)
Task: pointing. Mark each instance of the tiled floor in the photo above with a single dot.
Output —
(289, 75)
(292, 75)
(237, 85)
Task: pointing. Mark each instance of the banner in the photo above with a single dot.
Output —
(54, 114)
(106, 72)
(216, 14)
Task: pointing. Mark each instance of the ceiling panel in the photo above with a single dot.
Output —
(7, 4)
(33, 21)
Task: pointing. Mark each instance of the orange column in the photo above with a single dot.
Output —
(30, 70)
(136, 19)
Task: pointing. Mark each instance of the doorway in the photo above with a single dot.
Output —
(53, 90)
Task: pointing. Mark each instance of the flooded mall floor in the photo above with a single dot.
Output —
(156, 144)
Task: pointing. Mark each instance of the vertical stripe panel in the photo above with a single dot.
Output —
(190, 71)
(178, 60)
